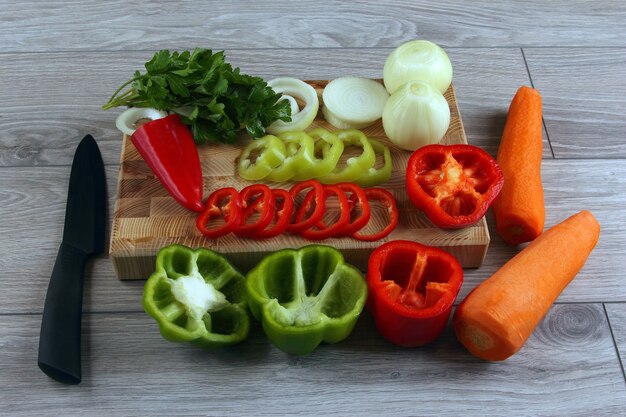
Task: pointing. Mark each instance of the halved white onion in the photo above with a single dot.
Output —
(127, 121)
(292, 89)
(417, 114)
(418, 60)
(353, 103)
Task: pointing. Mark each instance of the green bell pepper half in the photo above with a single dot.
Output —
(306, 296)
(355, 166)
(300, 152)
(197, 296)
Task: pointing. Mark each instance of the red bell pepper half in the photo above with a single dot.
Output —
(168, 148)
(411, 291)
(223, 203)
(453, 185)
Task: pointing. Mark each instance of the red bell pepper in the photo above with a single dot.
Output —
(321, 230)
(453, 185)
(168, 148)
(387, 199)
(256, 198)
(282, 215)
(411, 291)
(223, 203)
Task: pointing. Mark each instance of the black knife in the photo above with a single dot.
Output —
(83, 236)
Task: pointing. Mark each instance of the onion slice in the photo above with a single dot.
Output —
(292, 89)
(353, 103)
(127, 121)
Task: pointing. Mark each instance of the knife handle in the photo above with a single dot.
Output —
(59, 340)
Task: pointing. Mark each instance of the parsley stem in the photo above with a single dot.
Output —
(111, 102)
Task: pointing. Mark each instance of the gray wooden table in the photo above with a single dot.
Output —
(60, 61)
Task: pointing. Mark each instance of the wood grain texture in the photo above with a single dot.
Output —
(568, 367)
(55, 73)
(34, 204)
(60, 94)
(136, 239)
(584, 96)
(617, 320)
(122, 25)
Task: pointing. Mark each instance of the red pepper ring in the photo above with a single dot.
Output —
(214, 207)
(264, 204)
(322, 231)
(356, 199)
(317, 190)
(282, 215)
(384, 196)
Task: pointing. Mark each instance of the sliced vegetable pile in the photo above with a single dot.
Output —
(211, 97)
(258, 212)
(301, 156)
(307, 296)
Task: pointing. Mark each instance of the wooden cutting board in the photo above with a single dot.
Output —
(146, 218)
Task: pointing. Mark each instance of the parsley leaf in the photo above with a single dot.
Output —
(211, 97)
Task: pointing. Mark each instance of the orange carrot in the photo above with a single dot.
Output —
(497, 317)
(519, 211)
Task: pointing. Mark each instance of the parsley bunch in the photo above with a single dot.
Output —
(211, 97)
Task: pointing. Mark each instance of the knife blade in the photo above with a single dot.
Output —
(83, 236)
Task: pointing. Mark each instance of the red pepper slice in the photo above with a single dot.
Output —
(168, 148)
(357, 201)
(453, 185)
(282, 215)
(318, 212)
(322, 231)
(226, 203)
(256, 198)
(411, 291)
(384, 196)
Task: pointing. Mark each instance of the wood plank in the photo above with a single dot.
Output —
(617, 319)
(34, 204)
(121, 25)
(135, 241)
(568, 367)
(41, 124)
(584, 95)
